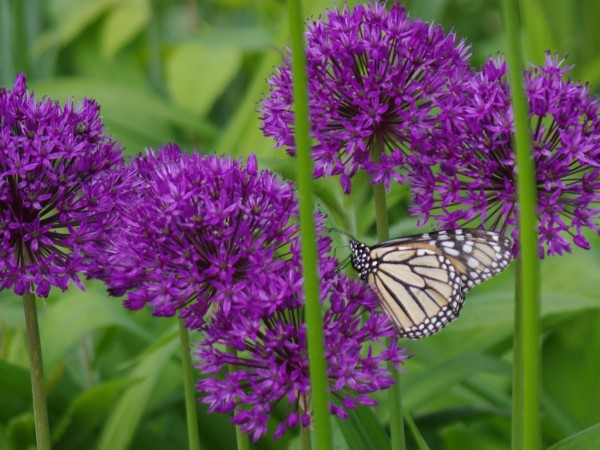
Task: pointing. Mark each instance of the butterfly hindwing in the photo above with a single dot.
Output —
(421, 280)
(418, 288)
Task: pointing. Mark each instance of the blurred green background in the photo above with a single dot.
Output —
(192, 72)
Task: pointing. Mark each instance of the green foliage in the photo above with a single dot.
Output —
(362, 431)
(192, 72)
(589, 438)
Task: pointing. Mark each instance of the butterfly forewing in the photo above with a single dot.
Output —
(421, 280)
(476, 254)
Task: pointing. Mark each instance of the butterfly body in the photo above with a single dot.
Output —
(421, 280)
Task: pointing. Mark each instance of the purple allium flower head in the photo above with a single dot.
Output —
(193, 231)
(270, 365)
(467, 172)
(206, 234)
(49, 213)
(375, 77)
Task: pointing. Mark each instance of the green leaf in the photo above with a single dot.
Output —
(77, 314)
(244, 37)
(586, 439)
(441, 418)
(591, 71)
(429, 11)
(243, 133)
(21, 432)
(416, 434)
(436, 380)
(363, 431)
(87, 412)
(137, 111)
(127, 414)
(4, 442)
(197, 74)
(538, 33)
(124, 22)
(14, 341)
(75, 20)
(15, 390)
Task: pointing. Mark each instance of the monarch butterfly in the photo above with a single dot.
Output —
(421, 280)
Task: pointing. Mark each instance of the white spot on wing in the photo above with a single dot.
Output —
(472, 262)
(451, 251)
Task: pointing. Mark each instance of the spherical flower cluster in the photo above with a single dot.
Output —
(270, 363)
(467, 172)
(49, 213)
(217, 240)
(375, 77)
(191, 231)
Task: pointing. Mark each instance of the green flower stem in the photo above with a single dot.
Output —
(36, 366)
(188, 387)
(383, 234)
(381, 215)
(526, 366)
(314, 320)
(243, 442)
(518, 391)
(305, 438)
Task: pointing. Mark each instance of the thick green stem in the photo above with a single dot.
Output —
(381, 213)
(518, 391)
(243, 442)
(526, 372)
(36, 366)
(188, 388)
(314, 320)
(383, 234)
(381, 216)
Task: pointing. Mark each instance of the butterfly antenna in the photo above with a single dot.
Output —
(338, 247)
(346, 261)
(342, 232)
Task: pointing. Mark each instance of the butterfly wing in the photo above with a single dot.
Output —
(476, 254)
(418, 288)
(421, 280)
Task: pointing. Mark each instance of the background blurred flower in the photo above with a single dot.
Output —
(49, 212)
(375, 77)
(270, 363)
(192, 230)
(466, 174)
